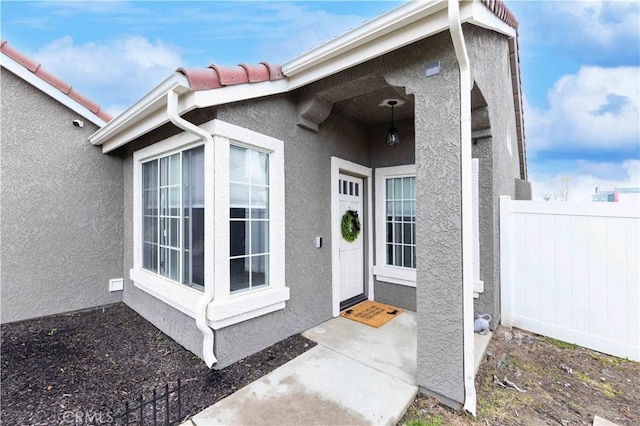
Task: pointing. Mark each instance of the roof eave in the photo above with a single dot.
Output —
(141, 117)
(23, 73)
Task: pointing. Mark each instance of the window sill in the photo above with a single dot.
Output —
(395, 275)
(246, 306)
(220, 314)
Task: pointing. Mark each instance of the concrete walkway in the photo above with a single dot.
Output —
(356, 375)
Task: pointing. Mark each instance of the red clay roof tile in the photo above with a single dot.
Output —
(52, 80)
(502, 12)
(215, 76)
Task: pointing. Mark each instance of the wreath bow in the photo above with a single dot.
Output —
(350, 225)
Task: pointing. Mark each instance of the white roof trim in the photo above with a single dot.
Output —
(366, 33)
(120, 130)
(408, 23)
(26, 75)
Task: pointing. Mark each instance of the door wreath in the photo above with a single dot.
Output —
(350, 225)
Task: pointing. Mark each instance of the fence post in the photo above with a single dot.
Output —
(506, 278)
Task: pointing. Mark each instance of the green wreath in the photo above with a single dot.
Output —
(350, 225)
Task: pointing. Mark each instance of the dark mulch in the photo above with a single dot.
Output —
(93, 361)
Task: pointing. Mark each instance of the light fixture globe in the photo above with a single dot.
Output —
(392, 134)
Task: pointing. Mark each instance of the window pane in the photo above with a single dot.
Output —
(186, 234)
(150, 257)
(407, 210)
(259, 272)
(389, 210)
(259, 202)
(150, 175)
(259, 168)
(408, 185)
(397, 261)
(389, 254)
(397, 189)
(174, 201)
(151, 229)
(164, 171)
(259, 237)
(238, 165)
(239, 213)
(164, 201)
(239, 196)
(174, 233)
(397, 210)
(238, 233)
(197, 246)
(174, 169)
(407, 233)
(397, 233)
(150, 202)
(407, 257)
(239, 274)
(389, 189)
(174, 265)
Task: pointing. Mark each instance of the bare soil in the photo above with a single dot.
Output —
(89, 362)
(563, 384)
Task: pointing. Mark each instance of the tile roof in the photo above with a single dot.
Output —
(215, 76)
(49, 78)
(502, 12)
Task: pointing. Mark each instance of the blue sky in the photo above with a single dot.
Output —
(580, 64)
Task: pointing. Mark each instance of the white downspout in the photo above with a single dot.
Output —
(207, 295)
(455, 27)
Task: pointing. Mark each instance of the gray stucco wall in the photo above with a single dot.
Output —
(61, 210)
(383, 155)
(498, 154)
(439, 269)
(523, 189)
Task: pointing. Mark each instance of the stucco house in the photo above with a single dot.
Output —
(222, 191)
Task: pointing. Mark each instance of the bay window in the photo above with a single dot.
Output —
(211, 214)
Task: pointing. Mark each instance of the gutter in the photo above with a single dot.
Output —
(455, 28)
(207, 295)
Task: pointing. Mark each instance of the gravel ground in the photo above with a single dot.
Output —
(61, 369)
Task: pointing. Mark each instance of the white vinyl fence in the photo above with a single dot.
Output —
(571, 271)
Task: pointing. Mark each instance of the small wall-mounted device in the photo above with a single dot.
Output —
(116, 284)
(78, 123)
(432, 68)
(318, 242)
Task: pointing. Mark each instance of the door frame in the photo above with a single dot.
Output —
(339, 165)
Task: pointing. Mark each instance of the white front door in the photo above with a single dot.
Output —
(351, 253)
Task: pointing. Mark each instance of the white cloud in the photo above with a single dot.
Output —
(600, 23)
(115, 72)
(601, 30)
(597, 108)
(589, 175)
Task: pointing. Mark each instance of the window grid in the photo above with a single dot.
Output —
(255, 225)
(400, 222)
(167, 218)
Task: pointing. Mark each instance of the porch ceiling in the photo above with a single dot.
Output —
(370, 107)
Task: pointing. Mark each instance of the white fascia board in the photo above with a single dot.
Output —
(26, 75)
(477, 13)
(241, 92)
(139, 111)
(366, 33)
(386, 43)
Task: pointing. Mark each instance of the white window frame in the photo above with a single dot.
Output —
(225, 309)
(382, 271)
